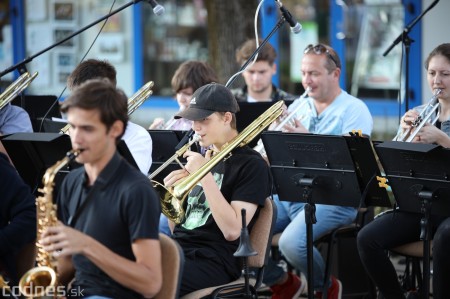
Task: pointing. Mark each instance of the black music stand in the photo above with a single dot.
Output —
(164, 144)
(33, 153)
(323, 169)
(248, 112)
(418, 175)
(37, 107)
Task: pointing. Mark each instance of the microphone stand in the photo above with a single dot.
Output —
(272, 32)
(21, 65)
(249, 60)
(406, 40)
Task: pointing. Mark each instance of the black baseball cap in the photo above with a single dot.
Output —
(208, 99)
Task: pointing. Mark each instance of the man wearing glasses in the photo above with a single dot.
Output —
(332, 111)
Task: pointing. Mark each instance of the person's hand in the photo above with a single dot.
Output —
(62, 240)
(429, 134)
(172, 178)
(296, 127)
(196, 160)
(408, 119)
(158, 123)
(283, 115)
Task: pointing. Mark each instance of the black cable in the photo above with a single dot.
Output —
(84, 56)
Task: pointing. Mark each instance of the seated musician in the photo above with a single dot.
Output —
(137, 139)
(258, 76)
(210, 234)
(188, 77)
(108, 234)
(398, 228)
(328, 110)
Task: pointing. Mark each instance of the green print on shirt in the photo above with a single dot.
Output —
(198, 211)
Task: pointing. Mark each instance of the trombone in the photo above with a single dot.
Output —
(139, 97)
(172, 198)
(15, 88)
(424, 117)
(175, 156)
(136, 100)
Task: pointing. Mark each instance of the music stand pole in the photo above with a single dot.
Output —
(425, 229)
(310, 219)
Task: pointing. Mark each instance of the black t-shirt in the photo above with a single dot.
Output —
(120, 207)
(244, 176)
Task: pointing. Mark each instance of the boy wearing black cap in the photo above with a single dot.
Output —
(210, 234)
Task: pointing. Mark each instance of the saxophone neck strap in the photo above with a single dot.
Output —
(86, 195)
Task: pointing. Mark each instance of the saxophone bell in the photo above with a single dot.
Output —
(37, 281)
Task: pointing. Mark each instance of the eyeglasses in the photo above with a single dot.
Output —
(320, 49)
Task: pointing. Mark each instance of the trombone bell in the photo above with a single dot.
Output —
(171, 206)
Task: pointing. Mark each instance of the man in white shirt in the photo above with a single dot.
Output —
(136, 138)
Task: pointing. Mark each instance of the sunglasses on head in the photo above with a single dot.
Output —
(320, 49)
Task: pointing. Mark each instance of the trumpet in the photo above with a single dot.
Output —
(172, 198)
(136, 100)
(15, 88)
(288, 119)
(425, 116)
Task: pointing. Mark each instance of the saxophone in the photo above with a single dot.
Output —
(39, 280)
(3, 284)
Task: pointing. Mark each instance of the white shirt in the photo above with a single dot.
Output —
(140, 145)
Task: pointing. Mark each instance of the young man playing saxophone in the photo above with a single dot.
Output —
(109, 211)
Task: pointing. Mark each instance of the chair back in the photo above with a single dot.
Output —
(172, 268)
(261, 234)
(260, 238)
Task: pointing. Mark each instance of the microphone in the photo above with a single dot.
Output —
(295, 26)
(157, 8)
